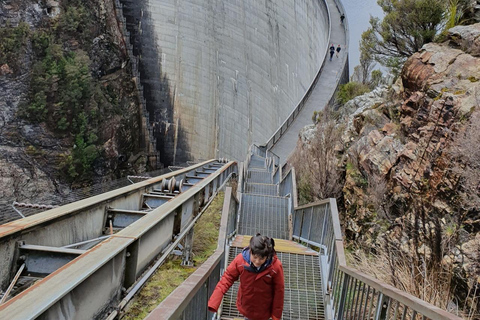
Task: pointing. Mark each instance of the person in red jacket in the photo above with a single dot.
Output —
(262, 286)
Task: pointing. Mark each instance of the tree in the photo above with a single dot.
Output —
(406, 27)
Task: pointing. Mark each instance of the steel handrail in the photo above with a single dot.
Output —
(340, 275)
(292, 116)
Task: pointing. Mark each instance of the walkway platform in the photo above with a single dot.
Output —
(285, 246)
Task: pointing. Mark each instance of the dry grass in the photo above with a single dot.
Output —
(403, 271)
(171, 274)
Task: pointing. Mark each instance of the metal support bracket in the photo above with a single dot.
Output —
(43, 260)
(187, 259)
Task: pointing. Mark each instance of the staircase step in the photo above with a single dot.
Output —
(264, 214)
(256, 176)
(257, 162)
(261, 189)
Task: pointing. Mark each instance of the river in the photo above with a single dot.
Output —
(358, 14)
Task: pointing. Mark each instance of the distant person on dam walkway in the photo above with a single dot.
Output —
(342, 17)
(338, 50)
(262, 286)
(332, 51)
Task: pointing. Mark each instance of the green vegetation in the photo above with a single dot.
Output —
(351, 90)
(171, 274)
(405, 28)
(455, 13)
(305, 190)
(12, 43)
(63, 94)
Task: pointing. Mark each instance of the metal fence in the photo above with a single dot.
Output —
(350, 294)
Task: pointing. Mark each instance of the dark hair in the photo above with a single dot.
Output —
(262, 246)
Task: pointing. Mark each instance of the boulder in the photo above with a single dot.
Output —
(467, 38)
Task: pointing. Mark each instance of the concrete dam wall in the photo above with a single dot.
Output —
(220, 75)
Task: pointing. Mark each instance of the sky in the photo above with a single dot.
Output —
(358, 13)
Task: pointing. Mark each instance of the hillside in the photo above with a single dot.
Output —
(70, 111)
(405, 161)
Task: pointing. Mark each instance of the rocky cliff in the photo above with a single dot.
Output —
(69, 110)
(411, 161)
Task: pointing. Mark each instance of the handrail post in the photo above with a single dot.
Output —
(343, 297)
(381, 312)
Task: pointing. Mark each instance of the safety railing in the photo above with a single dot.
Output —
(344, 74)
(288, 187)
(342, 78)
(189, 300)
(350, 294)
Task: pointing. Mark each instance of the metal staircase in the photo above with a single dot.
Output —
(263, 210)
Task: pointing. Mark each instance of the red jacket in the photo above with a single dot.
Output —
(260, 295)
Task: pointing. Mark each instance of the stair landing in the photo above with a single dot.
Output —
(281, 245)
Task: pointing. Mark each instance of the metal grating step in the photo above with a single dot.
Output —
(264, 214)
(257, 176)
(262, 189)
(303, 288)
(257, 162)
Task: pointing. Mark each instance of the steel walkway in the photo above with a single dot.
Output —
(263, 210)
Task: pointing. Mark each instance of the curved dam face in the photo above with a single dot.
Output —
(219, 75)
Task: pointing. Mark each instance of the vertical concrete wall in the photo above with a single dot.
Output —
(222, 74)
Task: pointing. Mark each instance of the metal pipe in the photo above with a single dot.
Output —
(18, 211)
(10, 287)
(86, 241)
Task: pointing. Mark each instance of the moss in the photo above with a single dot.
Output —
(34, 152)
(171, 274)
(472, 79)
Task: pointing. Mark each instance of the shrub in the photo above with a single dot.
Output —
(351, 90)
(12, 43)
(316, 164)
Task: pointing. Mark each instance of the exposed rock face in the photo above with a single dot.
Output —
(401, 185)
(439, 87)
(32, 154)
(467, 38)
